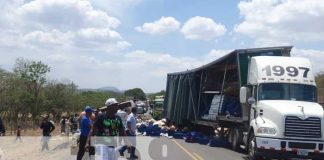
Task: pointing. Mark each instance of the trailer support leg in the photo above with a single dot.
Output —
(222, 133)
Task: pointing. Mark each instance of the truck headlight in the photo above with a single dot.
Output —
(266, 130)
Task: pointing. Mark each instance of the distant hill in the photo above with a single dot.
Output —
(102, 89)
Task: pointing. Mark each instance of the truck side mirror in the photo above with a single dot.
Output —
(245, 92)
(251, 100)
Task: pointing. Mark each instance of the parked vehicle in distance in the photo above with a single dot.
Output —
(140, 107)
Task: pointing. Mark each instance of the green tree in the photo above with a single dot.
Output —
(60, 97)
(97, 99)
(136, 93)
(34, 75)
(320, 83)
(3, 84)
(11, 97)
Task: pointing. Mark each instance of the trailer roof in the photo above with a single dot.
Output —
(240, 51)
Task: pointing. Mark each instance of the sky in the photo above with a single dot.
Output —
(135, 43)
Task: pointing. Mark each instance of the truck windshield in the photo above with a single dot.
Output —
(287, 91)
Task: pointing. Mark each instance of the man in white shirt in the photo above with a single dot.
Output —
(131, 120)
(131, 133)
(123, 116)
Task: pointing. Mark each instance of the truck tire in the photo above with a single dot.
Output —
(252, 148)
(230, 136)
(235, 139)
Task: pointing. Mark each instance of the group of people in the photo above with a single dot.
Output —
(69, 124)
(102, 131)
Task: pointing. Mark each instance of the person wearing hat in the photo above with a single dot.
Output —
(86, 126)
(47, 128)
(108, 126)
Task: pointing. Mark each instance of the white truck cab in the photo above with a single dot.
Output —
(285, 119)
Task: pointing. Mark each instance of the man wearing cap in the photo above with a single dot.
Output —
(108, 126)
(86, 126)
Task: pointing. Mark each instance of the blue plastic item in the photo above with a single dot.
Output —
(195, 134)
(155, 133)
(203, 140)
(189, 139)
(142, 128)
(193, 137)
(164, 130)
(149, 131)
(178, 135)
(170, 133)
(231, 106)
(156, 129)
(216, 143)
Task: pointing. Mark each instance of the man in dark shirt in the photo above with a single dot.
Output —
(108, 126)
(47, 128)
(2, 128)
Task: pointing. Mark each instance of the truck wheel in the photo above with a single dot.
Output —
(252, 148)
(235, 139)
(230, 136)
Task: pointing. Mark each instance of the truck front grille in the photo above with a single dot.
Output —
(308, 128)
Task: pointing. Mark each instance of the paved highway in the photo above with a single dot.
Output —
(149, 148)
(175, 149)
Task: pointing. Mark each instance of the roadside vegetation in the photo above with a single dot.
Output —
(320, 84)
(26, 94)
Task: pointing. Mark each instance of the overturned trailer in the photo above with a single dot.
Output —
(209, 95)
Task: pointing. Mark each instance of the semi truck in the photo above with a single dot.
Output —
(262, 99)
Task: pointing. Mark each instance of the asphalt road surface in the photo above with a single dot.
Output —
(179, 149)
(148, 148)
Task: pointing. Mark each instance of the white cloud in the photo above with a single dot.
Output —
(315, 56)
(96, 37)
(136, 66)
(58, 24)
(272, 22)
(162, 26)
(216, 53)
(59, 58)
(99, 34)
(201, 28)
(116, 7)
(64, 15)
(161, 58)
(54, 37)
